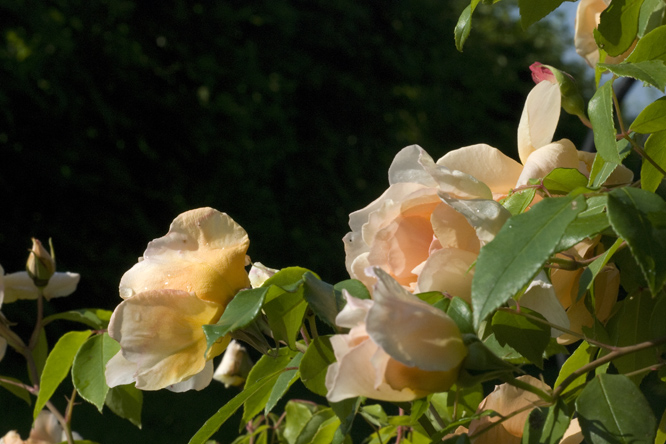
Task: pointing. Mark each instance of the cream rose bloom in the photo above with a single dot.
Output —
(505, 400)
(587, 20)
(183, 281)
(46, 430)
(398, 347)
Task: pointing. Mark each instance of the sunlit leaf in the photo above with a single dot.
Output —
(518, 202)
(88, 368)
(582, 356)
(283, 382)
(355, 287)
(533, 11)
(314, 365)
(652, 119)
(652, 72)
(651, 47)
(57, 366)
(464, 25)
(655, 147)
(600, 110)
(564, 180)
(591, 272)
(95, 318)
(508, 263)
(618, 27)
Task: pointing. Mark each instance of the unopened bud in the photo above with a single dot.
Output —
(235, 366)
(572, 100)
(40, 265)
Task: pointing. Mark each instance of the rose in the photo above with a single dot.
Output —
(184, 281)
(587, 19)
(46, 430)
(399, 348)
(510, 400)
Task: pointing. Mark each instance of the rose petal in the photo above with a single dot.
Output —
(354, 312)
(587, 19)
(453, 182)
(449, 271)
(540, 296)
(539, 119)
(119, 371)
(20, 285)
(411, 331)
(486, 216)
(197, 382)
(406, 167)
(560, 154)
(46, 429)
(452, 229)
(573, 434)
(487, 164)
(203, 252)
(160, 332)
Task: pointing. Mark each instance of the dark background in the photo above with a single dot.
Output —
(116, 116)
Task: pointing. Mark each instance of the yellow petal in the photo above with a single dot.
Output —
(203, 252)
(587, 19)
(487, 164)
(573, 434)
(539, 119)
(411, 331)
(160, 332)
(560, 154)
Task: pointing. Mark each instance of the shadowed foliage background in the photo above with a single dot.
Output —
(115, 116)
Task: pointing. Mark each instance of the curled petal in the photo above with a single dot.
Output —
(160, 333)
(539, 119)
(411, 331)
(487, 164)
(485, 215)
(573, 434)
(540, 296)
(453, 182)
(20, 286)
(406, 167)
(449, 271)
(452, 229)
(354, 312)
(203, 252)
(197, 382)
(560, 154)
(587, 20)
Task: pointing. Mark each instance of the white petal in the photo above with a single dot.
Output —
(407, 168)
(61, 284)
(354, 312)
(19, 286)
(560, 154)
(197, 382)
(120, 371)
(539, 119)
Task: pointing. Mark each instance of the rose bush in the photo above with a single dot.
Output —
(398, 348)
(183, 281)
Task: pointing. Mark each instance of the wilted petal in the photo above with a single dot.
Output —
(540, 296)
(539, 119)
(449, 271)
(203, 252)
(411, 331)
(160, 332)
(197, 382)
(560, 154)
(487, 164)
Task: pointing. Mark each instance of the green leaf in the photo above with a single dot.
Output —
(283, 382)
(652, 72)
(611, 409)
(95, 318)
(600, 110)
(583, 355)
(508, 263)
(650, 16)
(601, 169)
(587, 224)
(266, 366)
(214, 423)
(126, 401)
(57, 366)
(322, 421)
(564, 180)
(630, 325)
(461, 313)
(40, 353)
(285, 312)
(527, 336)
(289, 278)
(355, 287)
(655, 147)
(618, 27)
(651, 47)
(652, 119)
(457, 439)
(346, 411)
(595, 267)
(297, 415)
(314, 365)
(639, 217)
(533, 11)
(518, 202)
(88, 368)
(546, 425)
(240, 312)
(14, 389)
(464, 25)
(323, 299)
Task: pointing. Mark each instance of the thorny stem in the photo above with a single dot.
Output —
(560, 328)
(616, 353)
(501, 420)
